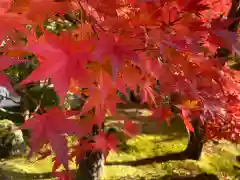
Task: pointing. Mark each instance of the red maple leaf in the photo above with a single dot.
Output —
(7, 61)
(131, 129)
(11, 22)
(103, 96)
(101, 101)
(194, 6)
(107, 8)
(61, 59)
(163, 113)
(117, 49)
(147, 92)
(101, 142)
(38, 11)
(79, 151)
(142, 41)
(105, 143)
(187, 122)
(50, 127)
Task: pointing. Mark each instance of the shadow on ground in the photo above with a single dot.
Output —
(35, 176)
(202, 176)
(155, 159)
(13, 175)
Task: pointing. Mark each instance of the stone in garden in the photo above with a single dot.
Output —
(11, 141)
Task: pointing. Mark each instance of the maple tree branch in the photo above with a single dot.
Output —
(38, 105)
(175, 21)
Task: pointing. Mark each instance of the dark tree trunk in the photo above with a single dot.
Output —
(195, 141)
(91, 167)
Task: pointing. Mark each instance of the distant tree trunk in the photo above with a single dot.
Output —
(91, 167)
(133, 97)
(195, 141)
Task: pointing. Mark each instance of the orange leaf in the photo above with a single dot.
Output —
(191, 104)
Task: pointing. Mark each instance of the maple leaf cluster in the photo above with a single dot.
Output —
(120, 44)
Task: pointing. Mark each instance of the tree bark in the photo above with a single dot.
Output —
(91, 167)
(195, 141)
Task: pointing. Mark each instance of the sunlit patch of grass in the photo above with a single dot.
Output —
(20, 164)
(142, 147)
(218, 159)
(147, 146)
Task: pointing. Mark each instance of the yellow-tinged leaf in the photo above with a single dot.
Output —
(191, 104)
(16, 53)
(108, 113)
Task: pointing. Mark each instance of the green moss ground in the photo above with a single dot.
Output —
(218, 159)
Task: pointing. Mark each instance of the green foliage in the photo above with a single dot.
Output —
(42, 95)
(235, 66)
(235, 62)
